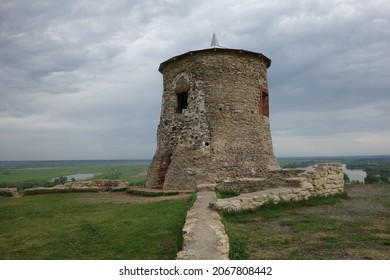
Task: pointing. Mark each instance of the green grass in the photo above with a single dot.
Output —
(340, 227)
(150, 194)
(237, 239)
(75, 226)
(34, 176)
(222, 195)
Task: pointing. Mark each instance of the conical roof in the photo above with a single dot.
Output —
(214, 42)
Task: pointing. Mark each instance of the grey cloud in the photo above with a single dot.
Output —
(89, 69)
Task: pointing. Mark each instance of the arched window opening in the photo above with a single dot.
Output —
(182, 97)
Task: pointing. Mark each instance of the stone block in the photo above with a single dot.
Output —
(306, 185)
(303, 193)
(258, 198)
(288, 197)
(319, 182)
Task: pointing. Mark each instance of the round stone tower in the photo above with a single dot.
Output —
(214, 122)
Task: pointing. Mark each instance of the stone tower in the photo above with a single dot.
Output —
(214, 122)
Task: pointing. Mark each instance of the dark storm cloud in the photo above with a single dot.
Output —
(79, 79)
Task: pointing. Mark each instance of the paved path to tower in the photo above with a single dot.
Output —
(204, 234)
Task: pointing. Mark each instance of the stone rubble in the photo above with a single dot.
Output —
(323, 179)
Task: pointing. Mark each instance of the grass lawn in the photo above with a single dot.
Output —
(91, 226)
(329, 228)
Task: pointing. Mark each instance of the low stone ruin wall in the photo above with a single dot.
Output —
(10, 192)
(250, 185)
(282, 185)
(81, 186)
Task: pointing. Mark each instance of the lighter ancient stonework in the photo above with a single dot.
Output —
(214, 122)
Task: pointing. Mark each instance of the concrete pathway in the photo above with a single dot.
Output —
(203, 233)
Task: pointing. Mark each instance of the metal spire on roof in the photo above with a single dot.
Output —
(214, 42)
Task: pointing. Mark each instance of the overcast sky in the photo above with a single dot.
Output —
(79, 78)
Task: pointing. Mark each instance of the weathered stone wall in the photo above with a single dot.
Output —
(249, 185)
(221, 134)
(80, 186)
(322, 180)
(103, 184)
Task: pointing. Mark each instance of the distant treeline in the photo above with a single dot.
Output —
(376, 167)
(296, 164)
(33, 184)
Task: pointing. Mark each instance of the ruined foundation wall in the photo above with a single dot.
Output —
(81, 186)
(10, 192)
(322, 180)
(221, 134)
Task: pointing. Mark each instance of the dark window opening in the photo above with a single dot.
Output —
(264, 103)
(182, 102)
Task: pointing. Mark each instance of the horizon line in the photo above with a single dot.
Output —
(149, 159)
